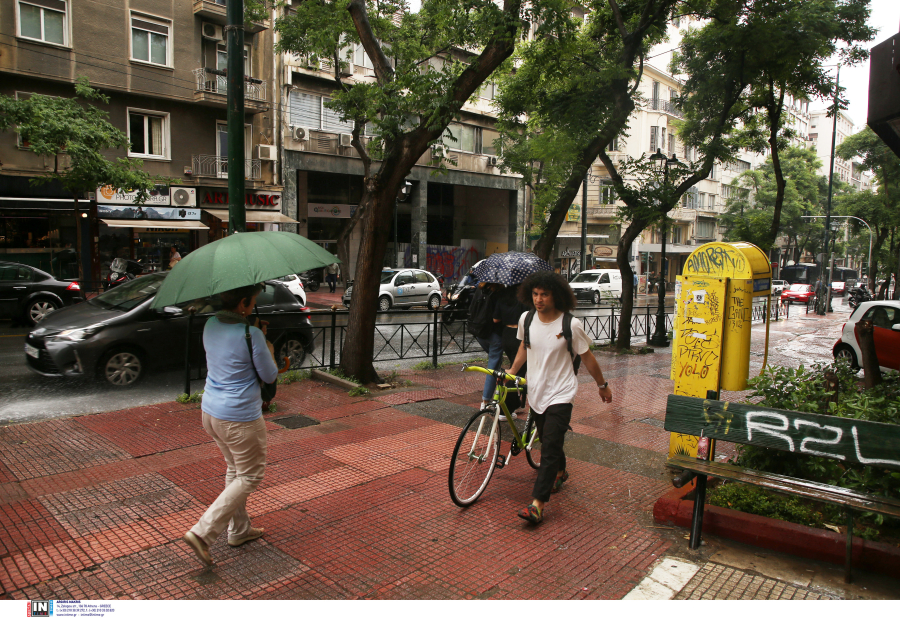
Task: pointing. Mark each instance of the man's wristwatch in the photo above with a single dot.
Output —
(604, 385)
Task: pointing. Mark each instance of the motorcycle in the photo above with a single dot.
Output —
(458, 298)
(859, 295)
(309, 281)
(122, 271)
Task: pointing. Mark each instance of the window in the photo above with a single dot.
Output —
(488, 138)
(148, 134)
(607, 193)
(701, 202)
(43, 20)
(488, 91)
(308, 110)
(676, 235)
(711, 203)
(222, 58)
(604, 278)
(423, 277)
(654, 138)
(654, 95)
(15, 273)
(266, 297)
(149, 40)
(614, 146)
(690, 198)
(463, 137)
(671, 145)
(706, 228)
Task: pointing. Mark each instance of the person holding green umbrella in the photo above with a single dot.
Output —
(238, 358)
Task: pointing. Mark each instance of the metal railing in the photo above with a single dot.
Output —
(217, 167)
(216, 82)
(663, 105)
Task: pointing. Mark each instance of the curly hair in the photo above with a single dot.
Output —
(563, 297)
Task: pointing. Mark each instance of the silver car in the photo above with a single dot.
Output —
(404, 288)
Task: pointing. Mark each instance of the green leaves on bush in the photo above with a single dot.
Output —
(192, 398)
(756, 501)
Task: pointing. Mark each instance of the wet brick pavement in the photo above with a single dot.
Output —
(355, 505)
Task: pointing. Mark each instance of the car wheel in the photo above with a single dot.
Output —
(434, 302)
(294, 349)
(846, 353)
(122, 367)
(38, 309)
(384, 303)
(596, 298)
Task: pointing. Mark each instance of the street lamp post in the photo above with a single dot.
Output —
(661, 163)
(869, 263)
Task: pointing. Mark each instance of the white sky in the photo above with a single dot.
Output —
(886, 18)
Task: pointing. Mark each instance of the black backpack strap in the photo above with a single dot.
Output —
(528, 319)
(567, 334)
(249, 340)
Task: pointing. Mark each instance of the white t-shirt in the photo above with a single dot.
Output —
(551, 377)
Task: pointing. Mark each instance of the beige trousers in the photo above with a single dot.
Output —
(244, 447)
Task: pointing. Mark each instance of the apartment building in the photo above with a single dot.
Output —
(163, 66)
(820, 133)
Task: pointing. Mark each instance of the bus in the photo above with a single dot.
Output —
(801, 273)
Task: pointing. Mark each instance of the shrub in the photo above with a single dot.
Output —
(192, 398)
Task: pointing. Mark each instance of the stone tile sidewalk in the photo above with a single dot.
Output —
(354, 502)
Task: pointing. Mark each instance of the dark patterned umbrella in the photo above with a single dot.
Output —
(509, 268)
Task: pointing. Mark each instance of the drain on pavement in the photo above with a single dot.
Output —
(295, 422)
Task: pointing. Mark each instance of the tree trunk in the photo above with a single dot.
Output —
(79, 244)
(343, 242)
(780, 183)
(896, 295)
(623, 336)
(865, 334)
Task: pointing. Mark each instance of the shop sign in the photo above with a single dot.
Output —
(574, 212)
(331, 211)
(211, 197)
(108, 194)
(605, 251)
(145, 211)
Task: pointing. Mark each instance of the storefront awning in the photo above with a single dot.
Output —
(254, 216)
(146, 224)
(670, 249)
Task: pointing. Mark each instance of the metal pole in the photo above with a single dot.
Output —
(396, 263)
(584, 224)
(434, 340)
(187, 352)
(234, 38)
(828, 273)
(659, 334)
(333, 333)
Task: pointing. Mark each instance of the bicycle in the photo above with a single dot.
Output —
(477, 451)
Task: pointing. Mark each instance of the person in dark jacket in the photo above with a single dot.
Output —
(507, 311)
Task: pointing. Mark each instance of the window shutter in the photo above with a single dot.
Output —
(306, 110)
(331, 121)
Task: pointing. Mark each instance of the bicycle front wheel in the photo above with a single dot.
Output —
(533, 455)
(474, 459)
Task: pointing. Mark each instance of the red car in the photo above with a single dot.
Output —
(798, 293)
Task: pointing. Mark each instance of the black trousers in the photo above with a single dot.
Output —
(552, 426)
(510, 342)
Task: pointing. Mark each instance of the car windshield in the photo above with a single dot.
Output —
(129, 295)
(585, 278)
(798, 287)
(387, 275)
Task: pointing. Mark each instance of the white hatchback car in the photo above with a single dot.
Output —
(293, 283)
(404, 288)
(885, 315)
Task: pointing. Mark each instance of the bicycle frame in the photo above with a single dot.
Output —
(499, 403)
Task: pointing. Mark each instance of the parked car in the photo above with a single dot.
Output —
(594, 285)
(798, 293)
(118, 338)
(885, 315)
(405, 287)
(837, 288)
(29, 294)
(778, 286)
(295, 285)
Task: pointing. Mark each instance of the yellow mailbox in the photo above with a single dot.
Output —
(713, 313)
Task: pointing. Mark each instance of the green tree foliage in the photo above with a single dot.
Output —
(880, 209)
(748, 215)
(427, 64)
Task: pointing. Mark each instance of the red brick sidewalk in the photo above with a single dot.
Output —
(356, 506)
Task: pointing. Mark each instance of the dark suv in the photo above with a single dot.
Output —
(29, 294)
(118, 337)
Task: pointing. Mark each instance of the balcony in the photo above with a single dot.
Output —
(212, 89)
(214, 11)
(662, 105)
(211, 166)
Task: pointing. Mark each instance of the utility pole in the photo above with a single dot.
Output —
(584, 224)
(828, 265)
(234, 39)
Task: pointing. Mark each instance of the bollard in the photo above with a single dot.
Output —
(647, 322)
(187, 352)
(333, 331)
(434, 340)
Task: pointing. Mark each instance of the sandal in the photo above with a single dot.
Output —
(532, 514)
(557, 485)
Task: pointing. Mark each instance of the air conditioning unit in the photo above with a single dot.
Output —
(184, 197)
(267, 153)
(492, 161)
(346, 138)
(438, 151)
(299, 134)
(348, 70)
(212, 31)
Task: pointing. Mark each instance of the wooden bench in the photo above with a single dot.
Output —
(845, 439)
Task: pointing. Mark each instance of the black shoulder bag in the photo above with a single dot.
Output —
(266, 390)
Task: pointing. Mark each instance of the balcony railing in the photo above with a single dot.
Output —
(662, 105)
(216, 82)
(211, 166)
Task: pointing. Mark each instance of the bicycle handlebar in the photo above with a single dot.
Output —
(498, 373)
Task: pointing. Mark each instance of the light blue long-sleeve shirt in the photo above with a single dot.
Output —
(232, 390)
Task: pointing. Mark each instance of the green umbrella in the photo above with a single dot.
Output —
(239, 260)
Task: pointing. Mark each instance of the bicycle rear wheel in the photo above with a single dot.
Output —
(474, 459)
(533, 455)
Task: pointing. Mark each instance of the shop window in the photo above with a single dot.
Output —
(150, 39)
(148, 133)
(43, 20)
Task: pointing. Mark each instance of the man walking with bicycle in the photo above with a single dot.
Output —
(554, 344)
